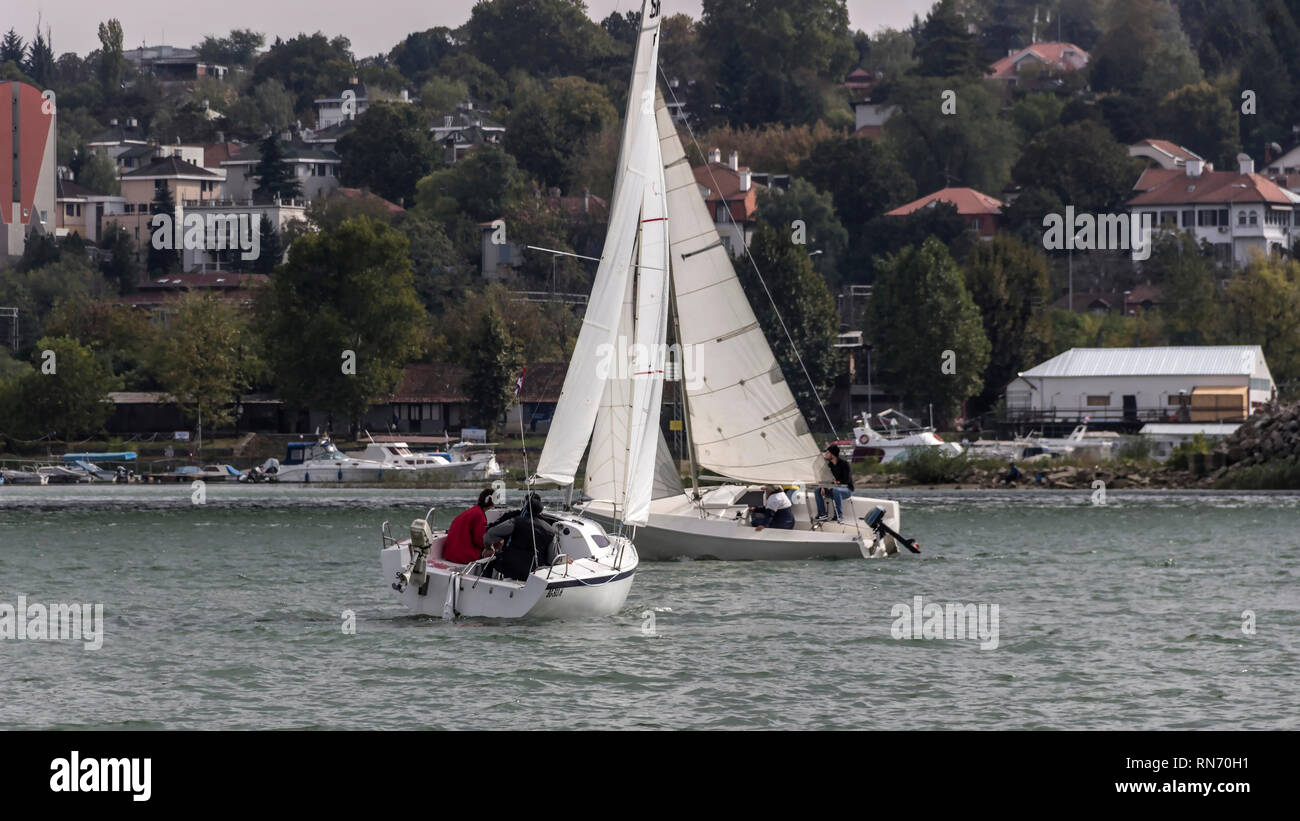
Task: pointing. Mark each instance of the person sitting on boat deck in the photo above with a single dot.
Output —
(465, 536)
(521, 542)
(843, 487)
(775, 512)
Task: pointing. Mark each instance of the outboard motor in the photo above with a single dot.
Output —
(415, 572)
(876, 521)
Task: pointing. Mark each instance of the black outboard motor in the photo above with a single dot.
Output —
(876, 521)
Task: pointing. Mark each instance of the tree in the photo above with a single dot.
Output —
(889, 53)
(40, 65)
(421, 52)
(547, 38)
(887, 235)
(13, 49)
(309, 66)
(340, 319)
(441, 273)
(120, 266)
(922, 317)
(821, 231)
(112, 63)
(1081, 164)
(1005, 278)
(275, 177)
(388, 151)
(1261, 306)
(1203, 118)
(99, 174)
(623, 27)
(479, 187)
(124, 339)
(200, 362)
(36, 291)
(971, 148)
(237, 49)
(863, 178)
(807, 310)
(1143, 52)
(548, 133)
(946, 47)
(441, 95)
(67, 393)
(1186, 278)
(164, 255)
(270, 249)
(492, 363)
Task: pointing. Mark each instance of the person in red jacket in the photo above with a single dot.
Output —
(465, 536)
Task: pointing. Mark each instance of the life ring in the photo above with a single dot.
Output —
(863, 439)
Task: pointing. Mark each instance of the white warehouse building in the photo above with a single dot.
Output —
(1126, 386)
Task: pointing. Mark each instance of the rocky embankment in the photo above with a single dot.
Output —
(1264, 452)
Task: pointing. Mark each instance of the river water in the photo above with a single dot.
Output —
(1154, 610)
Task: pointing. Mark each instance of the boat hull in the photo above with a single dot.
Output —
(677, 530)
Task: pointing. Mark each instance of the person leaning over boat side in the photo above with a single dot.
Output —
(843, 489)
(775, 512)
(521, 542)
(465, 536)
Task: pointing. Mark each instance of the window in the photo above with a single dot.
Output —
(1205, 218)
(1223, 216)
(1169, 218)
(1189, 218)
(1098, 401)
(67, 210)
(1254, 218)
(1241, 217)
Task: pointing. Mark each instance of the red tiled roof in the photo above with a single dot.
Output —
(724, 184)
(215, 154)
(1212, 187)
(967, 200)
(871, 132)
(542, 381)
(1171, 148)
(580, 205)
(358, 194)
(1157, 176)
(1065, 56)
(431, 383)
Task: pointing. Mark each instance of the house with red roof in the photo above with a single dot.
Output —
(981, 212)
(1239, 213)
(731, 195)
(1037, 61)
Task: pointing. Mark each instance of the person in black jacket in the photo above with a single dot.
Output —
(521, 541)
(843, 487)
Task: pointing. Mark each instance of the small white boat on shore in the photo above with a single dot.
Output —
(321, 461)
(889, 436)
(589, 576)
(399, 455)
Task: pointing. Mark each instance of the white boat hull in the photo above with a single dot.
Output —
(679, 529)
(595, 584)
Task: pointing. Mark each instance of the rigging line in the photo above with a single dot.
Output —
(750, 257)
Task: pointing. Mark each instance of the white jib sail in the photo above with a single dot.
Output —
(575, 412)
(745, 423)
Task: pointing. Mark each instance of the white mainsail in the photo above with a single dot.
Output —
(744, 421)
(580, 397)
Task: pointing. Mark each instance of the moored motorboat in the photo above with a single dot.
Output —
(322, 461)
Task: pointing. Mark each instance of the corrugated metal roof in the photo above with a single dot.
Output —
(1197, 360)
(1186, 429)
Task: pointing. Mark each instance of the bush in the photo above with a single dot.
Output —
(1181, 457)
(1135, 450)
(1273, 476)
(930, 466)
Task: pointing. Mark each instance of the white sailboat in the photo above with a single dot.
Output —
(592, 570)
(741, 420)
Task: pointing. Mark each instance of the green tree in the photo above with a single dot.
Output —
(67, 392)
(270, 248)
(309, 66)
(36, 291)
(120, 266)
(972, 148)
(441, 95)
(421, 52)
(479, 187)
(807, 310)
(99, 174)
(1186, 278)
(1081, 164)
(441, 273)
(164, 255)
(112, 63)
(275, 177)
(1006, 279)
(492, 364)
(200, 360)
(40, 65)
(388, 151)
(889, 53)
(1143, 52)
(821, 230)
(1203, 118)
(237, 49)
(921, 312)
(345, 290)
(547, 38)
(13, 49)
(549, 133)
(124, 339)
(945, 46)
(863, 178)
(1261, 306)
